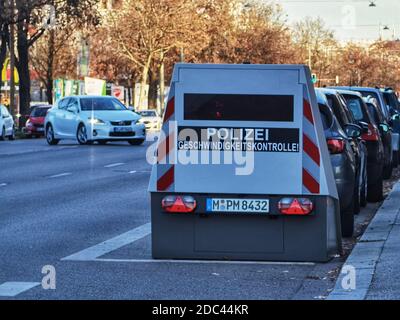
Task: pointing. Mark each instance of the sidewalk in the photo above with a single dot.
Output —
(376, 257)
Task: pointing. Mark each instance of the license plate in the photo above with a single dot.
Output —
(40, 129)
(238, 205)
(122, 129)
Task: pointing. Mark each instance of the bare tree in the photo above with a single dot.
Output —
(315, 45)
(152, 29)
(32, 21)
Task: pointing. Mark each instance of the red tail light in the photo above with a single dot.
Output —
(178, 204)
(295, 206)
(335, 146)
(372, 134)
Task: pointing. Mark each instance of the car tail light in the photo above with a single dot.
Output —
(372, 134)
(178, 204)
(295, 206)
(335, 146)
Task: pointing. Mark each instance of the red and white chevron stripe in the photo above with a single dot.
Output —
(311, 153)
(166, 148)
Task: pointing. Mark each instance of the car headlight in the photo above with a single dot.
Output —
(96, 121)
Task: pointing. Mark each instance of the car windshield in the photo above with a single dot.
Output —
(391, 100)
(101, 104)
(39, 112)
(372, 94)
(147, 113)
(374, 113)
(325, 116)
(355, 107)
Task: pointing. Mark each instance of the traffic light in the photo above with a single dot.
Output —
(314, 78)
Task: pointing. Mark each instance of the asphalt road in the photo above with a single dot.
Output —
(65, 200)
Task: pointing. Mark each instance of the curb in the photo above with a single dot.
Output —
(367, 252)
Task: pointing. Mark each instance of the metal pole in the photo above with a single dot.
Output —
(162, 84)
(182, 54)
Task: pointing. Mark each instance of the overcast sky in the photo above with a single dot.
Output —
(350, 19)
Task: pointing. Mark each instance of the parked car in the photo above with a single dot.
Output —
(391, 99)
(393, 103)
(372, 137)
(344, 162)
(375, 95)
(150, 119)
(34, 126)
(93, 118)
(385, 132)
(6, 124)
(344, 116)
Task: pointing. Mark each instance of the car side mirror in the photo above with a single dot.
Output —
(353, 131)
(72, 109)
(364, 126)
(396, 117)
(384, 127)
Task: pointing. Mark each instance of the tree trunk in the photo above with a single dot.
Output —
(153, 90)
(50, 67)
(3, 52)
(23, 71)
(49, 91)
(143, 82)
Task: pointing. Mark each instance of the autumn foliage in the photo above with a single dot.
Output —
(139, 41)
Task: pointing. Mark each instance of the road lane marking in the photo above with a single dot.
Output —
(113, 165)
(92, 253)
(60, 175)
(12, 289)
(3, 184)
(209, 262)
(132, 172)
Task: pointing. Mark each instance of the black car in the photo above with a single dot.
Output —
(344, 116)
(385, 132)
(376, 96)
(393, 104)
(344, 162)
(391, 100)
(373, 140)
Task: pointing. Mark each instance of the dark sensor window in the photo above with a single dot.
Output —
(238, 107)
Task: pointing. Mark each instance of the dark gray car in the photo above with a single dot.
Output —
(344, 161)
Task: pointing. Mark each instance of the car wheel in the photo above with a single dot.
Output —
(395, 159)
(50, 136)
(12, 135)
(3, 134)
(364, 190)
(375, 191)
(347, 219)
(81, 135)
(136, 142)
(357, 197)
(347, 225)
(387, 171)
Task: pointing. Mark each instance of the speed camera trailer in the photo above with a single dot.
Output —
(243, 170)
